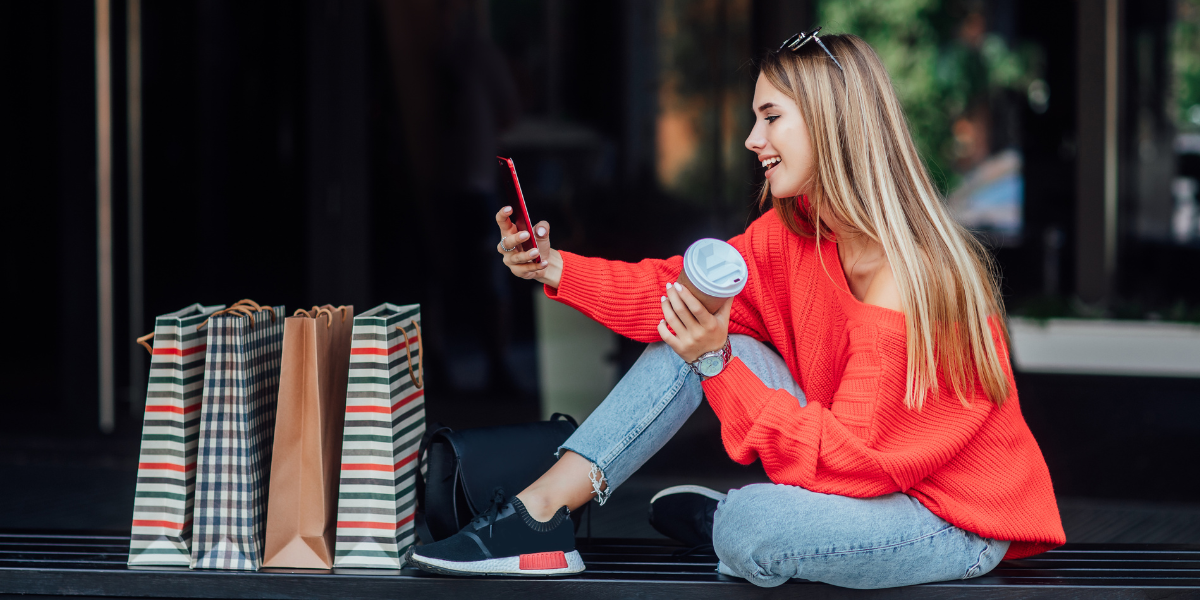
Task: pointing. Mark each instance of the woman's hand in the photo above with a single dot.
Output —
(696, 330)
(549, 271)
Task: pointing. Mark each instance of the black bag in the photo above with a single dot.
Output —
(467, 468)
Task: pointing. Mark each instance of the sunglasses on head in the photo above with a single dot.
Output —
(796, 41)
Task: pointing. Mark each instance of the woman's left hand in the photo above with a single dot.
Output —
(696, 330)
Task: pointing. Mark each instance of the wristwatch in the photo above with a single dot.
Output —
(710, 364)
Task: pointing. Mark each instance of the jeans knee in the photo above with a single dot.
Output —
(660, 351)
(743, 540)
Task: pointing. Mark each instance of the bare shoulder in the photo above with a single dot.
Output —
(882, 290)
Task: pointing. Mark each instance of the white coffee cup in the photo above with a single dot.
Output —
(713, 271)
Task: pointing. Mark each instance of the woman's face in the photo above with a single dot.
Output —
(781, 137)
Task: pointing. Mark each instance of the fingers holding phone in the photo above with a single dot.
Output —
(541, 237)
(504, 221)
(526, 248)
(513, 248)
(525, 263)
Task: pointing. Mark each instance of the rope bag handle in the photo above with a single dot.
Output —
(418, 377)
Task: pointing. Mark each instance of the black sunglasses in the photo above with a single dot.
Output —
(796, 41)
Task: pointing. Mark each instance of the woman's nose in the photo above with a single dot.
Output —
(755, 142)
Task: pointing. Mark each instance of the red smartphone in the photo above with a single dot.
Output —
(520, 217)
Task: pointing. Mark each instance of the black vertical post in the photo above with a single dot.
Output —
(338, 206)
(78, 368)
(217, 214)
(133, 99)
(1096, 175)
(639, 52)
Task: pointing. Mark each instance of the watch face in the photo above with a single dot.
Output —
(711, 365)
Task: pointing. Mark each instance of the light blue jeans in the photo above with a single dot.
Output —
(768, 533)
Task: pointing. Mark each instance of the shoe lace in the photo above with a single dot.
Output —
(494, 508)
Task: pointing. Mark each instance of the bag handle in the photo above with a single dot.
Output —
(423, 527)
(315, 314)
(343, 309)
(418, 377)
(245, 307)
(565, 417)
(149, 337)
(238, 309)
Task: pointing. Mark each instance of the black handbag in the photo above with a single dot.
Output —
(469, 470)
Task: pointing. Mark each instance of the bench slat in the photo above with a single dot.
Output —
(94, 564)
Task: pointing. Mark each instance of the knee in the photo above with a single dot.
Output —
(659, 353)
(745, 539)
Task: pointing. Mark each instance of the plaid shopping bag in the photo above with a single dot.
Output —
(237, 424)
(385, 419)
(162, 502)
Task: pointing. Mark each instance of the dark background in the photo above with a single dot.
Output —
(311, 152)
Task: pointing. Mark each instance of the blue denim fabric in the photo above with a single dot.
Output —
(768, 533)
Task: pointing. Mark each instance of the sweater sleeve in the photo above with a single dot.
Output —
(865, 443)
(621, 296)
(625, 297)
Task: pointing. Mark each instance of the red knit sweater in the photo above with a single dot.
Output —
(977, 467)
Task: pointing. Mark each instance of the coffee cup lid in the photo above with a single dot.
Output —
(715, 268)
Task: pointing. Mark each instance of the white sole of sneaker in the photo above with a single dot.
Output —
(693, 489)
(510, 565)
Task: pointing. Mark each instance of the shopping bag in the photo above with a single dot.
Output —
(162, 502)
(302, 505)
(385, 419)
(237, 423)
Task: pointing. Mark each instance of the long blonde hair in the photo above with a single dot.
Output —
(868, 174)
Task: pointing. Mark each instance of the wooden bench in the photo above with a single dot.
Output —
(92, 565)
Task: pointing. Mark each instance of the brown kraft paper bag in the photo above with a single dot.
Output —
(305, 465)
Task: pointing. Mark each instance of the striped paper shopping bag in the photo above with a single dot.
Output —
(385, 419)
(237, 426)
(162, 503)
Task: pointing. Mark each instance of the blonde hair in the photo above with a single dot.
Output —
(868, 175)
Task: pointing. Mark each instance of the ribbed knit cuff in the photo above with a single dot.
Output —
(737, 395)
(553, 293)
(582, 284)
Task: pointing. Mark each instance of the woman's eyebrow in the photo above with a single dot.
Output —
(765, 106)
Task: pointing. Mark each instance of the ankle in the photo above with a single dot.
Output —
(540, 507)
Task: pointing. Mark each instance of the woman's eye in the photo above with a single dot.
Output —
(771, 119)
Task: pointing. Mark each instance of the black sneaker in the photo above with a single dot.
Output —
(509, 543)
(685, 513)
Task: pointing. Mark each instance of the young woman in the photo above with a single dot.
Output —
(889, 421)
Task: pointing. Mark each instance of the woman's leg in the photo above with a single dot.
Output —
(637, 418)
(768, 533)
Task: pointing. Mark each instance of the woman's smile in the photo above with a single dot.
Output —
(770, 165)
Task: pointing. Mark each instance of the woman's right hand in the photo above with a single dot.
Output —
(549, 271)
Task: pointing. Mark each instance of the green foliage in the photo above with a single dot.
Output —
(937, 75)
(1185, 62)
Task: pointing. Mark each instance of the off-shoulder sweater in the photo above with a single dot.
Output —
(976, 466)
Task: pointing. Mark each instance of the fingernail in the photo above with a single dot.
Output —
(663, 299)
(541, 232)
(507, 209)
(524, 235)
(668, 286)
(678, 287)
(533, 252)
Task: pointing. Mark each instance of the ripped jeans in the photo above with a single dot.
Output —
(768, 533)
